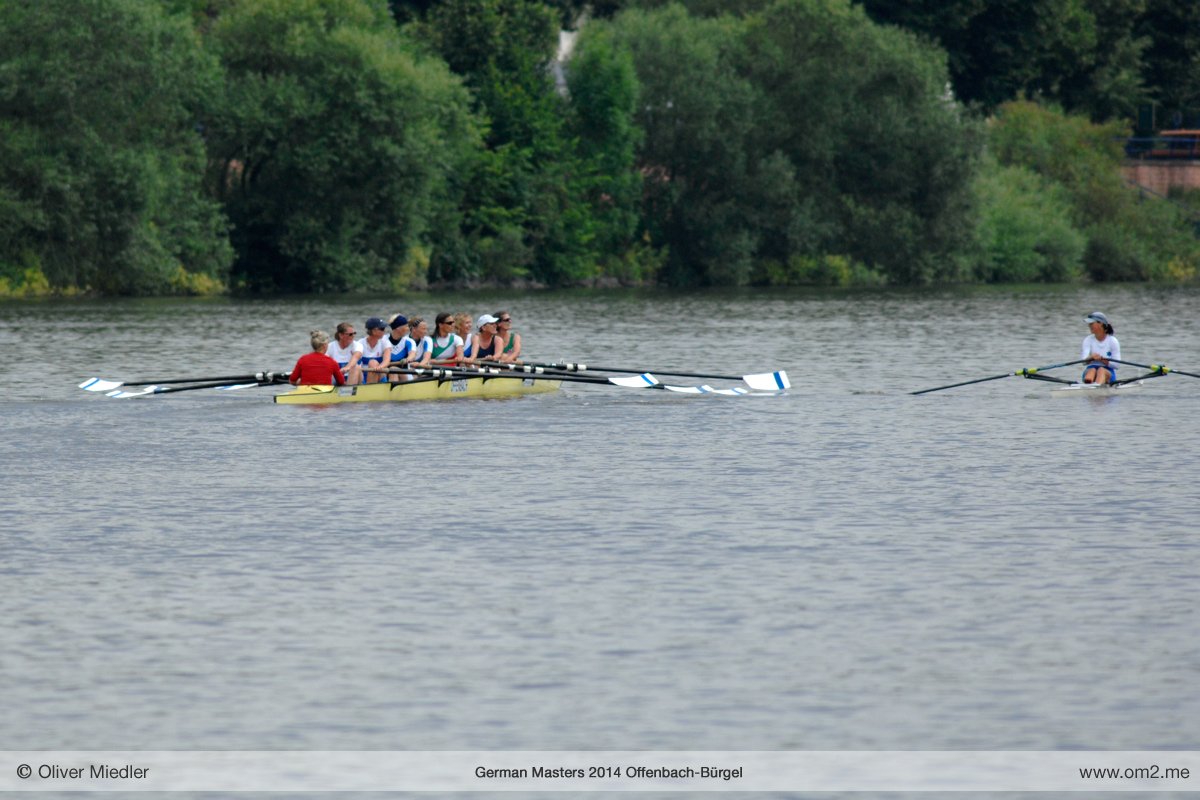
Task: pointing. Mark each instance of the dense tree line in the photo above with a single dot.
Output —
(153, 146)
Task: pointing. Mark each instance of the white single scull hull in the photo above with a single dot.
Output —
(1096, 389)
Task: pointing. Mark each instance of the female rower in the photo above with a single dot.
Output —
(401, 345)
(376, 354)
(447, 345)
(317, 367)
(462, 327)
(346, 352)
(418, 329)
(511, 349)
(486, 342)
(1100, 346)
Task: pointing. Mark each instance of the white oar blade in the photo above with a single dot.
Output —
(689, 389)
(735, 392)
(99, 385)
(236, 386)
(768, 381)
(134, 392)
(636, 382)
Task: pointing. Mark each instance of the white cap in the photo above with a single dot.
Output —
(484, 319)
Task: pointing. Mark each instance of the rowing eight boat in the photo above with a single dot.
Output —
(419, 389)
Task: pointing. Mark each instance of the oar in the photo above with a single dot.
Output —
(766, 381)
(120, 393)
(1159, 368)
(102, 385)
(643, 381)
(1026, 372)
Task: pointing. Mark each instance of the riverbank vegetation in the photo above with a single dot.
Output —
(200, 146)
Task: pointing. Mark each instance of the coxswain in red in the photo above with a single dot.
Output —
(316, 367)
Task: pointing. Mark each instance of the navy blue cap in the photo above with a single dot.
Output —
(375, 322)
(398, 321)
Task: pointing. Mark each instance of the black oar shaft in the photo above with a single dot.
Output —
(258, 376)
(210, 385)
(1024, 372)
(576, 368)
(1155, 367)
(965, 383)
(449, 374)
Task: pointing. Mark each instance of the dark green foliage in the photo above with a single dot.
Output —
(1172, 68)
(336, 145)
(100, 161)
(1128, 237)
(803, 130)
(551, 198)
(604, 95)
(1082, 54)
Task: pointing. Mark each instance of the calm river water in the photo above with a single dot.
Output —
(842, 567)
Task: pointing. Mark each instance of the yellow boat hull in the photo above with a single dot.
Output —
(421, 389)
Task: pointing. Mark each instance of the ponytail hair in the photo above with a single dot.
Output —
(1108, 328)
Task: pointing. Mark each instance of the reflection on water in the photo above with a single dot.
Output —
(846, 566)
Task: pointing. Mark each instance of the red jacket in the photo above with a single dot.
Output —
(317, 368)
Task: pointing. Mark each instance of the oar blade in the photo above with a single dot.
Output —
(768, 381)
(119, 393)
(99, 385)
(689, 389)
(238, 386)
(636, 382)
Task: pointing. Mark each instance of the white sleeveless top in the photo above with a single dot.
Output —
(343, 355)
(444, 348)
(402, 349)
(376, 352)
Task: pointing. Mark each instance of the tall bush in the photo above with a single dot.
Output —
(1129, 236)
(801, 130)
(100, 156)
(337, 147)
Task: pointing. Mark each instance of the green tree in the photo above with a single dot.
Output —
(1083, 54)
(1128, 237)
(1026, 229)
(540, 202)
(804, 130)
(709, 192)
(337, 148)
(100, 159)
(1172, 58)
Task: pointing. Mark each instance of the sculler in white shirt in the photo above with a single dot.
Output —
(375, 352)
(346, 352)
(1100, 346)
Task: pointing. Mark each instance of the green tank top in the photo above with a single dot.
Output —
(438, 351)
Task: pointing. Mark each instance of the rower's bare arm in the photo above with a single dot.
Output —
(516, 351)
